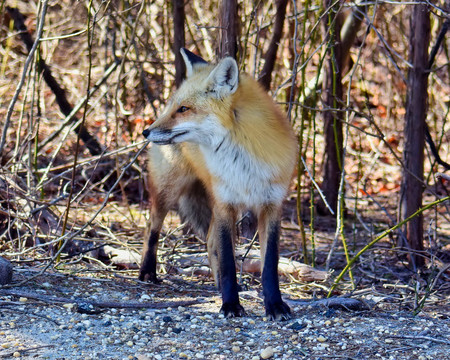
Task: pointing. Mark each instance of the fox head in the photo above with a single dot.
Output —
(197, 112)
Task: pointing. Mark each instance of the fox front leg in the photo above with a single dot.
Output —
(221, 256)
(269, 231)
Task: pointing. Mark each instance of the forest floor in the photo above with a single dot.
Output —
(89, 310)
(49, 319)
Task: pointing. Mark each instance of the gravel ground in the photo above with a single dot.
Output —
(58, 330)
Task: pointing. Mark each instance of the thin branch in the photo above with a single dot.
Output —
(24, 74)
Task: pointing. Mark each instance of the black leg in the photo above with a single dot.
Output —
(227, 274)
(276, 308)
(147, 271)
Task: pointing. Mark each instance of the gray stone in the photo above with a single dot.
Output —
(6, 270)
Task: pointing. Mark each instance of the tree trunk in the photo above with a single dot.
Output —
(414, 133)
(229, 29)
(178, 40)
(332, 101)
(271, 54)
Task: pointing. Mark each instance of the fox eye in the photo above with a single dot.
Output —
(182, 109)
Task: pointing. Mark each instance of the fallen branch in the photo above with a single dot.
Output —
(344, 303)
(99, 304)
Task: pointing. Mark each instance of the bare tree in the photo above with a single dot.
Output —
(271, 54)
(416, 112)
(178, 39)
(228, 45)
(332, 101)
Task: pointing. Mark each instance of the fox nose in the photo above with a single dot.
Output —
(146, 132)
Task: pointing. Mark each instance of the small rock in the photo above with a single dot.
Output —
(87, 323)
(267, 353)
(177, 330)
(297, 326)
(321, 339)
(6, 271)
(86, 308)
(236, 349)
(331, 312)
(80, 328)
(167, 319)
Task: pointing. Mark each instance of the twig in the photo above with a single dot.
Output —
(317, 187)
(413, 337)
(71, 115)
(11, 354)
(334, 356)
(6, 303)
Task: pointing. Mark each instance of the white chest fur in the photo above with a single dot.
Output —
(240, 178)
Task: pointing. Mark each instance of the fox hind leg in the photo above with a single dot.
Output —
(147, 271)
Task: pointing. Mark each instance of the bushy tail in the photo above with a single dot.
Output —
(195, 209)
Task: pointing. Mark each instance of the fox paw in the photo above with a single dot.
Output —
(278, 311)
(232, 310)
(150, 277)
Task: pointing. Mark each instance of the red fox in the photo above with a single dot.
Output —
(225, 147)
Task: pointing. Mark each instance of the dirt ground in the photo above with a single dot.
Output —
(51, 317)
(84, 308)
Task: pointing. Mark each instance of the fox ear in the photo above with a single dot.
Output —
(225, 77)
(191, 60)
